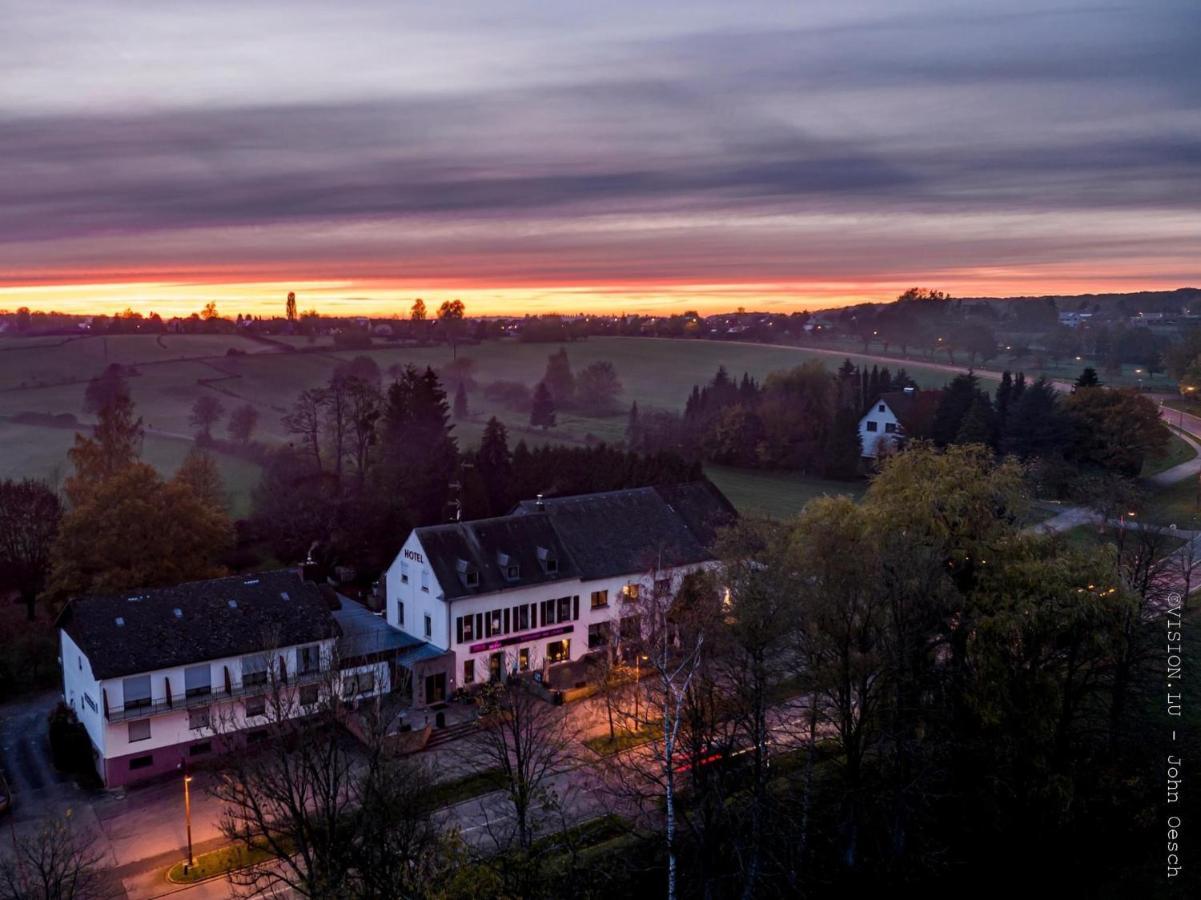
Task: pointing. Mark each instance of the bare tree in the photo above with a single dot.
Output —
(205, 412)
(337, 820)
(527, 740)
(304, 421)
(365, 411)
(55, 861)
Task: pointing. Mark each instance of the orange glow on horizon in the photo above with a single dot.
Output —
(182, 294)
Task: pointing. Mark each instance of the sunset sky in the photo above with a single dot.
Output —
(577, 155)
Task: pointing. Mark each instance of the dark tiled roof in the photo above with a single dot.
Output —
(589, 536)
(272, 609)
(914, 411)
(628, 531)
(482, 546)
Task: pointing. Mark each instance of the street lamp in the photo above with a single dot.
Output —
(187, 812)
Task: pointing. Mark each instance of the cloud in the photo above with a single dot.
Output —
(700, 143)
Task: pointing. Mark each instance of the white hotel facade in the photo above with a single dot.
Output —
(549, 583)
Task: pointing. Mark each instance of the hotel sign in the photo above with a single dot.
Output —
(414, 555)
(520, 639)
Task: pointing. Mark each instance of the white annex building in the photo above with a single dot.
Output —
(895, 416)
(164, 677)
(549, 583)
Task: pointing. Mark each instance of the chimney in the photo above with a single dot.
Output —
(539, 505)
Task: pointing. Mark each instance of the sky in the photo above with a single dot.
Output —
(575, 156)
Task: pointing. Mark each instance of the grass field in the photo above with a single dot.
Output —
(1177, 452)
(49, 375)
(777, 495)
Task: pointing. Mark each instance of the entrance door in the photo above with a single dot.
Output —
(435, 688)
(496, 663)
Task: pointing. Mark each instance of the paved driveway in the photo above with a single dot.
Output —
(25, 758)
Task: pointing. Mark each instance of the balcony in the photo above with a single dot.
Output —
(162, 706)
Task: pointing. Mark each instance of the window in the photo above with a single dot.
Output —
(662, 587)
(87, 698)
(548, 612)
(198, 718)
(198, 681)
(308, 659)
(880, 408)
(558, 651)
(136, 691)
(254, 670)
(523, 616)
(429, 627)
(358, 684)
(425, 580)
(465, 626)
(513, 572)
(139, 731)
(468, 671)
(471, 578)
(310, 694)
(890, 427)
(494, 622)
(598, 635)
(600, 599)
(630, 592)
(871, 424)
(404, 572)
(564, 609)
(523, 659)
(141, 762)
(204, 747)
(400, 613)
(256, 706)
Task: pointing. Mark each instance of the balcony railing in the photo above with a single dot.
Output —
(195, 700)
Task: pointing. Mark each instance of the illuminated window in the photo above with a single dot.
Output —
(558, 651)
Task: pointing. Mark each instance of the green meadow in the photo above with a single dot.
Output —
(49, 375)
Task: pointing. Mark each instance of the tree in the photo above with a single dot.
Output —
(365, 403)
(633, 433)
(105, 389)
(199, 472)
(1088, 378)
(55, 861)
(304, 420)
(460, 408)
(528, 741)
(542, 413)
(205, 412)
(132, 530)
(339, 822)
(450, 314)
(495, 465)
(597, 387)
(1115, 430)
(116, 443)
(290, 307)
(417, 311)
(29, 518)
(979, 423)
(559, 379)
(419, 457)
(210, 311)
(957, 399)
(242, 422)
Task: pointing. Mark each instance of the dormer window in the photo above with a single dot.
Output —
(468, 574)
(550, 564)
(509, 566)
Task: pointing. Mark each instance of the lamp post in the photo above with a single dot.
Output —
(187, 812)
